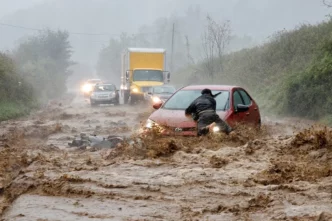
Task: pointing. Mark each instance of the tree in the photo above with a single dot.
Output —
(190, 59)
(215, 39)
(13, 88)
(109, 62)
(44, 61)
(327, 4)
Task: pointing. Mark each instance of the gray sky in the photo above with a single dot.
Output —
(275, 14)
(10, 6)
(255, 18)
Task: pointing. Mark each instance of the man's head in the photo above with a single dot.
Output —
(207, 91)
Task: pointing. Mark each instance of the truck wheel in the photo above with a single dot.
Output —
(132, 100)
(126, 97)
(93, 104)
(116, 102)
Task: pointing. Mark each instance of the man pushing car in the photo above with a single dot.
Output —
(203, 111)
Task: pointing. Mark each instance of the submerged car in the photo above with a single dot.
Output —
(234, 105)
(104, 94)
(88, 86)
(160, 93)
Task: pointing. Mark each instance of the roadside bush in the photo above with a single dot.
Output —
(309, 92)
(291, 74)
(44, 62)
(16, 95)
(34, 73)
(10, 110)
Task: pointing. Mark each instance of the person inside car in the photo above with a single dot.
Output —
(203, 111)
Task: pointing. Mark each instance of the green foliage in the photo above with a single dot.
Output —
(43, 61)
(16, 95)
(291, 74)
(308, 94)
(11, 109)
(37, 72)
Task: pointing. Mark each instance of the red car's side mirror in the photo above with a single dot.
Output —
(157, 105)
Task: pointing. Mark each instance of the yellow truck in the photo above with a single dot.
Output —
(141, 69)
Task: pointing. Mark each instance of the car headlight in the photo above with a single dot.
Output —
(150, 123)
(135, 90)
(87, 88)
(156, 100)
(215, 129)
(93, 95)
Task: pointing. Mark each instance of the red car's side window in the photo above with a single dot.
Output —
(245, 96)
(237, 99)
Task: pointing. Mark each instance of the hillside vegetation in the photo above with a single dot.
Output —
(34, 73)
(291, 75)
(44, 61)
(16, 96)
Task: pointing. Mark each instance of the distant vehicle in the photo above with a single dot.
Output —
(88, 86)
(142, 68)
(234, 105)
(104, 94)
(158, 94)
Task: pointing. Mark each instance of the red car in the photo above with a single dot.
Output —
(234, 105)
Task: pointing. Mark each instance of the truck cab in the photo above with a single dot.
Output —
(143, 79)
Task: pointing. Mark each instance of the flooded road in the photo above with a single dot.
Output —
(283, 172)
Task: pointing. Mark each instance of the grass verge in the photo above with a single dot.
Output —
(10, 110)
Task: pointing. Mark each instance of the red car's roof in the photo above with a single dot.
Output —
(211, 87)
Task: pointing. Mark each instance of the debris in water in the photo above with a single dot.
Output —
(96, 141)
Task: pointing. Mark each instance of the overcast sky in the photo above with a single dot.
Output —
(255, 18)
(10, 6)
(315, 9)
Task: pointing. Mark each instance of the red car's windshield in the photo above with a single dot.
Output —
(182, 99)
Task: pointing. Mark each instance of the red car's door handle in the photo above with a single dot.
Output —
(247, 113)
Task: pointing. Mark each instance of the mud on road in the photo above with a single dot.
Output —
(283, 172)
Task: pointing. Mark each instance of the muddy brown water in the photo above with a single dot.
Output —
(280, 174)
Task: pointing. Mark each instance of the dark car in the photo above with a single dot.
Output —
(104, 94)
(160, 93)
(234, 105)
